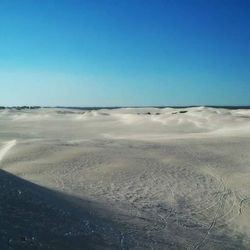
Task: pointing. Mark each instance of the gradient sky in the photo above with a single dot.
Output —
(131, 52)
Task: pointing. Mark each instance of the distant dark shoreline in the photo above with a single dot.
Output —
(117, 107)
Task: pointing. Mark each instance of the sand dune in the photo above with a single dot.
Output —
(144, 122)
(161, 178)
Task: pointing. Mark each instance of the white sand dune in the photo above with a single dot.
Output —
(171, 178)
(145, 123)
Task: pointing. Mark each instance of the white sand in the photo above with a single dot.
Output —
(180, 179)
(7, 146)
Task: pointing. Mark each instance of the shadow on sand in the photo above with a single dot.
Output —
(33, 217)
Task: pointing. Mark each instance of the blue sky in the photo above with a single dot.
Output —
(133, 52)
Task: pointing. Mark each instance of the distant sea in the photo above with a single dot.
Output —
(117, 107)
(161, 107)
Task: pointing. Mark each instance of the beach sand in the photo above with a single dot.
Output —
(130, 178)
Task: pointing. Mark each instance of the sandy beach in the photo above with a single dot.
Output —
(127, 178)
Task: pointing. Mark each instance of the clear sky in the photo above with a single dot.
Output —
(131, 52)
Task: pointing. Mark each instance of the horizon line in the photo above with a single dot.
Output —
(128, 106)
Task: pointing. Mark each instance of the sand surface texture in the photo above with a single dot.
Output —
(131, 178)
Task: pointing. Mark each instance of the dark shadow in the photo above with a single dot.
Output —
(33, 217)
